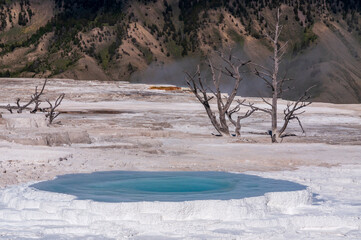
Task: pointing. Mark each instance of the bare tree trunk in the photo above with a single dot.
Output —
(274, 101)
(275, 134)
(224, 125)
(213, 119)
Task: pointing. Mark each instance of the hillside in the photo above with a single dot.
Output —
(154, 41)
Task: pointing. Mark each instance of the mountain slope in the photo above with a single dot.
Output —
(128, 40)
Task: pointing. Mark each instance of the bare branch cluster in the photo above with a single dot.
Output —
(292, 112)
(52, 114)
(197, 84)
(237, 123)
(35, 98)
(36, 101)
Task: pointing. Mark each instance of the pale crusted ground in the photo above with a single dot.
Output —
(120, 126)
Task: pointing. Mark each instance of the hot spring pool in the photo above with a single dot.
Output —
(126, 186)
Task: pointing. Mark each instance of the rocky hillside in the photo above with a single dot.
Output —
(156, 40)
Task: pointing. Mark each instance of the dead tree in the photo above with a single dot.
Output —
(52, 114)
(35, 98)
(276, 83)
(291, 111)
(205, 94)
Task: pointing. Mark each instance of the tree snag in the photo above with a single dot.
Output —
(52, 114)
(276, 83)
(198, 86)
(35, 98)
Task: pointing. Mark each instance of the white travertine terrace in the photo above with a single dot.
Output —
(121, 126)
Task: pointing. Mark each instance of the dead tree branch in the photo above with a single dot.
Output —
(52, 114)
(292, 111)
(237, 123)
(195, 83)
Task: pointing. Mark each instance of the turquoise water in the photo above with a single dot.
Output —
(127, 186)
